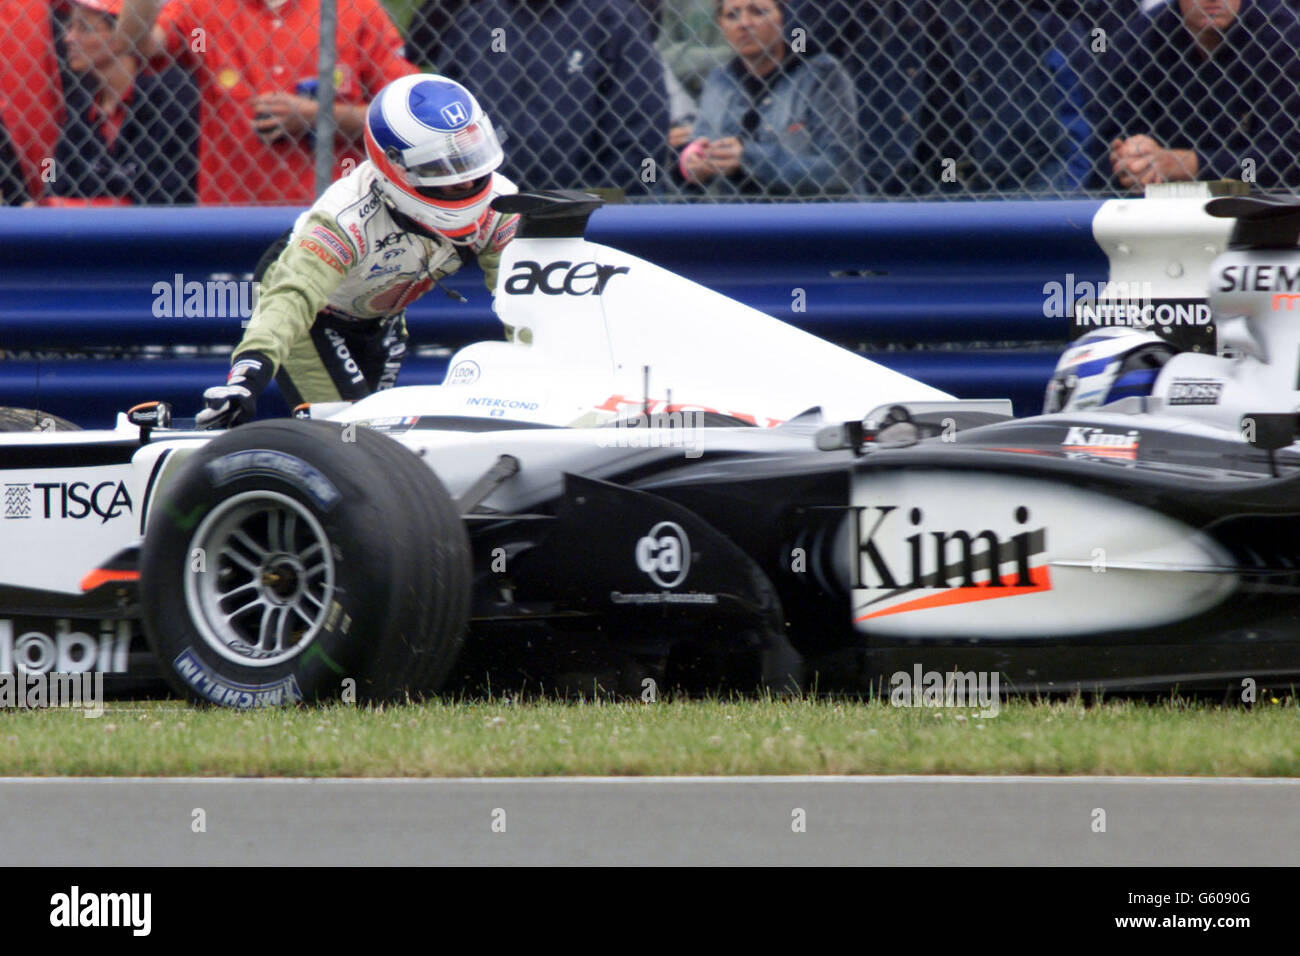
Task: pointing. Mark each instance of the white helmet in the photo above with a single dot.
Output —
(425, 133)
(1105, 366)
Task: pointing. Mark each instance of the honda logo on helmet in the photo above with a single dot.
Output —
(455, 114)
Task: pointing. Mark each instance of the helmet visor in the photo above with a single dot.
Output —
(454, 157)
(456, 192)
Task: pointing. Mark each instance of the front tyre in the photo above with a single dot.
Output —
(289, 558)
(33, 420)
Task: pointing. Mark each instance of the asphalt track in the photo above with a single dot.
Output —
(652, 821)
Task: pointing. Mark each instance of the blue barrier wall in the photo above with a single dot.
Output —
(870, 274)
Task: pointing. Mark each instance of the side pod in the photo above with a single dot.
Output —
(659, 573)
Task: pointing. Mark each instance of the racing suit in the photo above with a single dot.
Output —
(330, 313)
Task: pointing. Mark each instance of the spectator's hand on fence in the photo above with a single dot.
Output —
(1140, 160)
(283, 115)
(725, 154)
(679, 136)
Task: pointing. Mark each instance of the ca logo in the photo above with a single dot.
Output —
(665, 554)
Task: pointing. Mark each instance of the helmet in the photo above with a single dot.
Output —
(425, 133)
(1105, 366)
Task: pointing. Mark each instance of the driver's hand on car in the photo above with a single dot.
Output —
(235, 402)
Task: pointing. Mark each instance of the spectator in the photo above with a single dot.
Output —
(692, 43)
(1202, 89)
(128, 136)
(978, 83)
(31, 97)
(575, 84)
(430, 20)
(251, 57)
(13, 189)
(772, 121)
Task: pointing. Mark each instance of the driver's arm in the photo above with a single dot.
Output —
(489, 257)
(296, 287)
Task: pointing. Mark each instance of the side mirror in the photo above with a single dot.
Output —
(150, 415)
(837, 437)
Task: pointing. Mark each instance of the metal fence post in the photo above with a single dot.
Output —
(326, 125)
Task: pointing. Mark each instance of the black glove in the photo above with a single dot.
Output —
(236, 402)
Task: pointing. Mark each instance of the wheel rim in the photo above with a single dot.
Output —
(260, 578)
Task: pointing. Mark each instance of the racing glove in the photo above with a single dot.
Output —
(236, 402)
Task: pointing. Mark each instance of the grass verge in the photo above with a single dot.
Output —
(763, 736)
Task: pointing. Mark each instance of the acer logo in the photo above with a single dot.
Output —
(560, 278)
(934, 559)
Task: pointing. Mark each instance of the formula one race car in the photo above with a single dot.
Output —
(636, 487)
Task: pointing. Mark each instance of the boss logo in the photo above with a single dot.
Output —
(665, 554)
(1195, 393)
(560, 278)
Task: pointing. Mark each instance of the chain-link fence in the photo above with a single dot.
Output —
(214, 101)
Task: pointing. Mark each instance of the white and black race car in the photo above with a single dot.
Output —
(654, 480)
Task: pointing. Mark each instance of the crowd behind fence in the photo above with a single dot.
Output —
(117, 102)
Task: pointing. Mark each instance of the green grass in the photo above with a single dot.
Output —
(547, 737)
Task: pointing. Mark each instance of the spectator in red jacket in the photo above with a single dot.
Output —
(31, 97)
(128, 136)
(256, 62)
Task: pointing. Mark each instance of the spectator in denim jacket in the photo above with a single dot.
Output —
(773, 121)
(129, 135)
(1202, 90)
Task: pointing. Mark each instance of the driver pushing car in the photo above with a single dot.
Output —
(329, 323)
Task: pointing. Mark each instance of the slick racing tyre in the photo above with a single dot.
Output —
(31, 420)
(288, 557)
